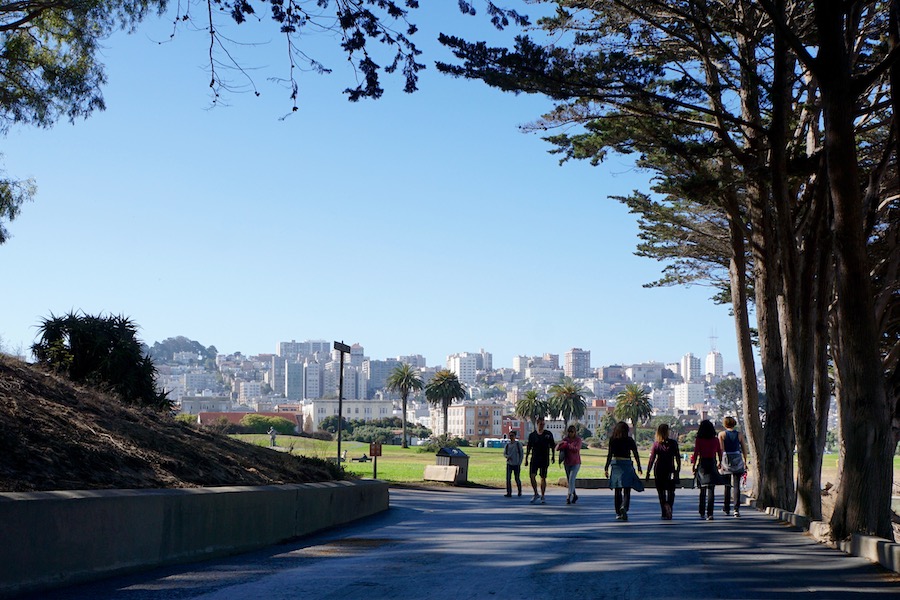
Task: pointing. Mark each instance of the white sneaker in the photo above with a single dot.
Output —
(535, 499)
(542, 500)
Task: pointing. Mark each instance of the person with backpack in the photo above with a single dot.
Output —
(734, 463)
(514, 454)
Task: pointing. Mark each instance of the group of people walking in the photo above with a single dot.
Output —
(717, 458)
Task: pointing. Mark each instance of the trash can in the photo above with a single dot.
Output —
(455, 456)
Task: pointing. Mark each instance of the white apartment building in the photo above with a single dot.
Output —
(248, 390)
(687, 395)
(198, 404)
(690, 368)
(367, 410)
(465, 365)
(650, 372)
(662, 399)
(714, 366)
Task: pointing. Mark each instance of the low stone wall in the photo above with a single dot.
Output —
(874, 549)
(51, 539)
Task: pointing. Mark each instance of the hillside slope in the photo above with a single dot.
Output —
(55, 435)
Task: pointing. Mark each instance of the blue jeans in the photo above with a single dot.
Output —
(571, 474)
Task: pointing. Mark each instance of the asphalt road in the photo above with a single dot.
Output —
(455, 544)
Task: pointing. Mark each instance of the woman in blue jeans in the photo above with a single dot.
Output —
(570, 448)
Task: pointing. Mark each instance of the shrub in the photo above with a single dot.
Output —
(186, 419)
(261, 423)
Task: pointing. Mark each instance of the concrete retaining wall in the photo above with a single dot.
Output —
(872, 548)
(51, 539)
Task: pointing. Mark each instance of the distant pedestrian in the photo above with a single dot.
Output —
(623, 478)
(514, 454)
(707, 459)
(541, 449)
(665, 462)
(570, 455)
(272, 434)
(734, 463)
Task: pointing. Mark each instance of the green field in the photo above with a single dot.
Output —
(397, 465)
(486, 465)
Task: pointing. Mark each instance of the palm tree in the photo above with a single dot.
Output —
(443, 389)
(404, 379)
(567, 400)
(531, 407)
(633, 403)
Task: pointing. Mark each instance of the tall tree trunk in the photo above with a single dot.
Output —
(403, 408)
(737, 272)
(776, 464)
(863, 502)
(777, 485)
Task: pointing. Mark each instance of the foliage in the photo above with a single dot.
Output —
(186, 419)
(633, 404)
(404, 379)
(567, 400)
(443, 389)
(165, 350)
(330, 424)
(257, 423)
(583, 432)
(674, 424)
(606, 425)
(443, 441)
(729, 393)
(13, 194)
(103, 352)
(531, 407)
(369, 433)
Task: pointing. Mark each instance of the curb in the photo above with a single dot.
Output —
(872, 548)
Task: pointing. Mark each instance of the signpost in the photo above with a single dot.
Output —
(343, 349)
(375, 452)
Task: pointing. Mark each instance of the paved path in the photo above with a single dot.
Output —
(477, 544)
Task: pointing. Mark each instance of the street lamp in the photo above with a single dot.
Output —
(342, 348)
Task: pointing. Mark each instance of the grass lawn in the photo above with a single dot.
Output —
(486, 465)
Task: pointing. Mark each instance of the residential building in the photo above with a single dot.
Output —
(690, 368)
(688, 395)
(714, 367)
(465, 365)
(366, 410)
(649, 372)
(474, 422)
(578, 363)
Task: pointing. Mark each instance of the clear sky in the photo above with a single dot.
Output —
(415, 224)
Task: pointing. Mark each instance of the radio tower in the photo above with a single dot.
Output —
(712, 340)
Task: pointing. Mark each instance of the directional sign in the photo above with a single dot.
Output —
(341, 346)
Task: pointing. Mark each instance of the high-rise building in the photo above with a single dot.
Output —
(465, 365)
(714, 365)
(276, 375)
(690, 368)
(578, 363)
(377, 372)
(293, 380)
(416, 360)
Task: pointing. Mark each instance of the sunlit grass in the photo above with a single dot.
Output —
(486, 465)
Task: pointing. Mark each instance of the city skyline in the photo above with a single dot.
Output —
(424, 223)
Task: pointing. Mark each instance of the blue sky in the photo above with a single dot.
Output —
(416, 224)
